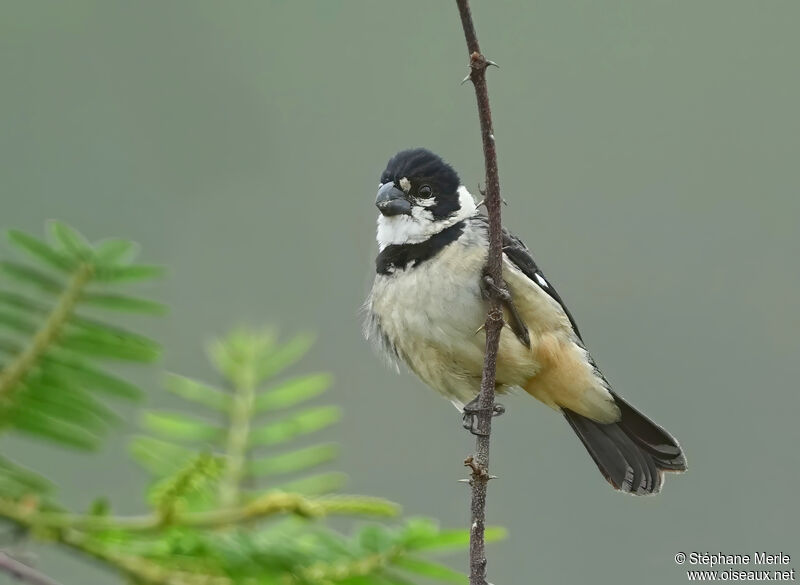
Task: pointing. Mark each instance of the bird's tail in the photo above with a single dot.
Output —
(632, 454)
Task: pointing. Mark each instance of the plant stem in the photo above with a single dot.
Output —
(141, 570)
(238, 432)
(323, 572)
(23, 572)
(494, 319)
(267, 505)
(17, 369)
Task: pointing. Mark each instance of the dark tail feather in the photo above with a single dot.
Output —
(632, 454)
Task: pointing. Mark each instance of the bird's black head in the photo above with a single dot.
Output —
(418, 178)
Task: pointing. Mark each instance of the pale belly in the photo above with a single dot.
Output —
(433, 315)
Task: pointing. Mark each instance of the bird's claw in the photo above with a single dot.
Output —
(470, 413)
(517, 323)
(501, 292)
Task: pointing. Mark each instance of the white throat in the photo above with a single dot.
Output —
(421, 225)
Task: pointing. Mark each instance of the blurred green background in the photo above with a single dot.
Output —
(649, 154)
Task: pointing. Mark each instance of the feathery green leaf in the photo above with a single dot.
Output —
(284, 356)
(71, 241)
(80, 373)
(42, 251)
(293, 461)
(198, 392)
(14, 322)
(24, 303)
(375, 538)
(115, 251)
(112, 333)
(103, 345)
(197, 474)
(292, 392)
(313, 485)
(37, 424)
(159, 457)
(294, 426)
(123, 303)
(26, 479)
(181, 427)
(30, 276)
(117, 274)
(73, 406)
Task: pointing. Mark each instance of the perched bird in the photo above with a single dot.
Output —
(428, 303)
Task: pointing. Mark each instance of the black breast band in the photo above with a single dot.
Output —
(398, 256)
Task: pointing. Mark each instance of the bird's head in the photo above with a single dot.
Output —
(419, 195)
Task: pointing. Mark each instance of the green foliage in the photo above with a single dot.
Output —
(50, 350)
(296, 552)
(233, 500)
(19, 482)
(170, 495)
(250, 413)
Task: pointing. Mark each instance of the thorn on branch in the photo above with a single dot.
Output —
(483, 199)
(478, 472)
(477, 62)
(478, 65)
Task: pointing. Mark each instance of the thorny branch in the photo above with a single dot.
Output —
(479, 463)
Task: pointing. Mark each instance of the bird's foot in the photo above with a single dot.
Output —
(470, 412)
(515, 319)
(488, 283)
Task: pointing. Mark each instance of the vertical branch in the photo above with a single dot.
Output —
(494, 320)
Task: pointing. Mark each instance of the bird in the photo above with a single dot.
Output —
(429, 299)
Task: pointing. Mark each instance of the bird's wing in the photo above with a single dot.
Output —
(519, 255)
(575, 383)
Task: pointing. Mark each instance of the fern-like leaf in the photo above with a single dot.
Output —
(52, 368)
(256, 413)
(16, 481)
(170, 494)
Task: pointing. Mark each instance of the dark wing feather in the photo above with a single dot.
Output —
(521, 257)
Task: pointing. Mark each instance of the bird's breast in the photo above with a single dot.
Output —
(432, 314)
(434, 304)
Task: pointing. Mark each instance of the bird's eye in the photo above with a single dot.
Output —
(425, 191)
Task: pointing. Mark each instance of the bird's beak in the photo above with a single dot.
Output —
(392, 201)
